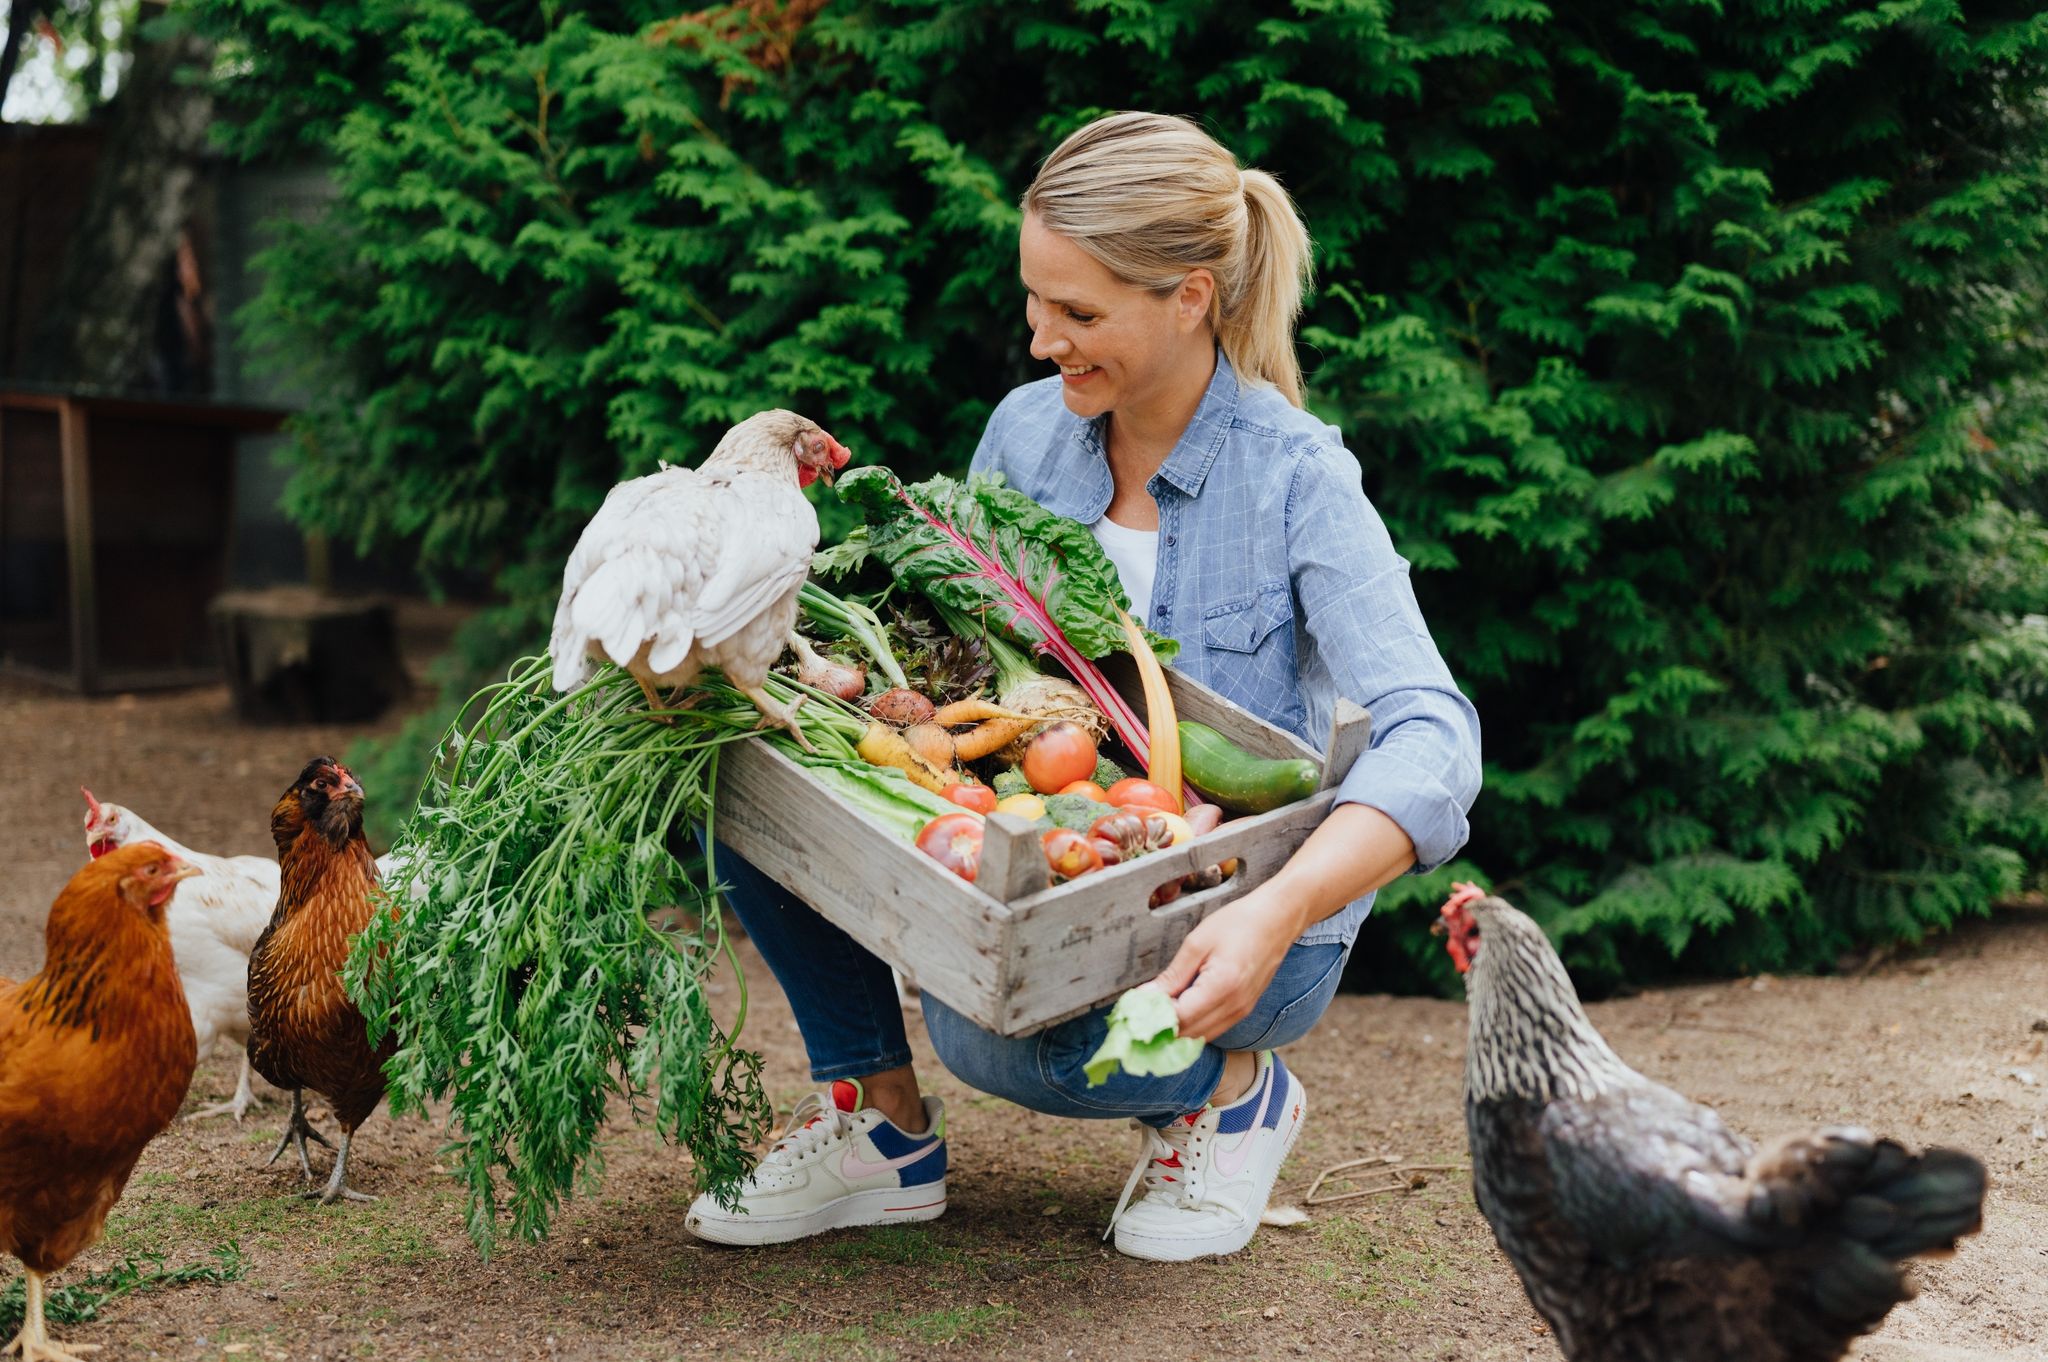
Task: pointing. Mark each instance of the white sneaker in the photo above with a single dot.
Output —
(839, 1163)
(1208, 1175)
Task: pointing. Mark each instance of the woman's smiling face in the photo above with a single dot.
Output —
(1116, 345)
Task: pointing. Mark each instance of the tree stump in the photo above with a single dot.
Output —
(295, 655)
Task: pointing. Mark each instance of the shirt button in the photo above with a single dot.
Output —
(1172, 539)
(1164, 612)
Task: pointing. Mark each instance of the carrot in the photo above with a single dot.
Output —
(932, 743)
(992, 735)
(882, 745)
(972, 712)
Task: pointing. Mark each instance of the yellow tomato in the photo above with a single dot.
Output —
(1178, 825)
(1028, 807)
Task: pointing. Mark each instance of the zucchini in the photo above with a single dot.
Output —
(1236, 779)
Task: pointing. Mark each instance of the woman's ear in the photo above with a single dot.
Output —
(1192, 300)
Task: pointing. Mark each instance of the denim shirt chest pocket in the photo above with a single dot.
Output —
(1249, 640)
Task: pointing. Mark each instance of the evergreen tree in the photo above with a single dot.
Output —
(1691, 350)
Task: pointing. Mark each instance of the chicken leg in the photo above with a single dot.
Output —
(336, 1189)
(33, 1342)
(298, 1128)
(237, 1106)
(774, 714)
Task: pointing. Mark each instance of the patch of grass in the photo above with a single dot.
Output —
(393, 1243)
(80, 1301)
(850, 1342)
(896, 1245)
(153, 1180)
(156, 1227)
(953, 1325)
(1399, 1263)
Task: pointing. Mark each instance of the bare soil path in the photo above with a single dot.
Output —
(1943, 1046)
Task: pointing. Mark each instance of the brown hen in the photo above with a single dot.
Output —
(95, 1055)
(304, 1032)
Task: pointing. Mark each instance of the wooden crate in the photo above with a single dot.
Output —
(1009, 951)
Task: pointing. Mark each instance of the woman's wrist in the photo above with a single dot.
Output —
(1356, 850)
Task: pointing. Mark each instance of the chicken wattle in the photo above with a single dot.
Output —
(1641, 1225)
(688, 568)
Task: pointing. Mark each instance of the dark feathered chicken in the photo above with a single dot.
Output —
(1643, 1228)
(304, 1032)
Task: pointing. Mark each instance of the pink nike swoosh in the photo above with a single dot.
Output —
(1230, 1162)
(852, 1165)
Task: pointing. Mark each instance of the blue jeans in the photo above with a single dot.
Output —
(845, 1003)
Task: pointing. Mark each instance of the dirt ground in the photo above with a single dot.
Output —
(1943, 1046)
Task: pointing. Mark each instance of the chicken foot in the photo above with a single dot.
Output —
(298, 1128)
(657, 703)
(775, 714)
(336, 1190)
(237, 1106)
(33, 1342)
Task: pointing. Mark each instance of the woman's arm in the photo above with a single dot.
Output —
(1402, 805)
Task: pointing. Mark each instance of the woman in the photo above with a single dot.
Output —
(1164, 282)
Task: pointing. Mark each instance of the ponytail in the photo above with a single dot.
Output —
(1152, 197)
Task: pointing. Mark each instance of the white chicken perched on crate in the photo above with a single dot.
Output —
(688, 568)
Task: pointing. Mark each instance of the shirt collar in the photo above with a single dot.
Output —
(1086, 499)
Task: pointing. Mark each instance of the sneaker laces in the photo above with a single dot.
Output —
(815, 1123)
(1166, 1165)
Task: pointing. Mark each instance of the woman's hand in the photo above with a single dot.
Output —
(1228, 960)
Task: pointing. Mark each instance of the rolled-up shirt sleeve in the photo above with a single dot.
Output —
(1422, 767)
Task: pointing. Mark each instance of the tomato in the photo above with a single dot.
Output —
(954, 841)
(1125, 828)
(1058, 757)
(1138, 790)
(1179, 828)
(979, 798)
(1087, 789)
(1069, 854)
(1028, 807)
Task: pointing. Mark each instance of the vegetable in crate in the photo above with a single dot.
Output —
(689, 568)
(1236, 779)
(986, 552)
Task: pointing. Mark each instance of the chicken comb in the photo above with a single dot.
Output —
(91, 804)
(1462, 893)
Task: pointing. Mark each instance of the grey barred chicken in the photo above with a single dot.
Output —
(1643, 1228)
(694, 567)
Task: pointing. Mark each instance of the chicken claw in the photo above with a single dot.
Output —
(299, 1129)
(777, 715)
(34, 1342)
(237, 1106)
(336, 1190)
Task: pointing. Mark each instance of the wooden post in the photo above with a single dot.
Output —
(72, 438)
(1013, 860)
(1350, 732)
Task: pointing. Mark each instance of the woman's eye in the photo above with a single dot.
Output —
(1081, 318)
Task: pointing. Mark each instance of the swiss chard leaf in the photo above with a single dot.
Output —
(986, 548)
(1143, 1038)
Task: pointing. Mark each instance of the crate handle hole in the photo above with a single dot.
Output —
(1175, 893)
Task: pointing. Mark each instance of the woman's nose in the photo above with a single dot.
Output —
(1048, 344)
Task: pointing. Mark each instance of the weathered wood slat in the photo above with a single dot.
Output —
(1008, 951)
(942, 932)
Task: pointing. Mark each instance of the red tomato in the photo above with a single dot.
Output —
(954, 841)
(1087, 789)
(1069, 853)
(1058, 757)
(979, 798)
(1137, 790)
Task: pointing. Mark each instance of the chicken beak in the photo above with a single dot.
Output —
(1439, 928)
(183, 872)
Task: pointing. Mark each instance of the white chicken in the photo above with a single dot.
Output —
(214, 922)
(689, 568)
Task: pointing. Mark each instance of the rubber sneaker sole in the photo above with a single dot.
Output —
(1187, 1248)
(877, 1206)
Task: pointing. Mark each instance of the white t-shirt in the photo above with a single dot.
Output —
(1136, 555)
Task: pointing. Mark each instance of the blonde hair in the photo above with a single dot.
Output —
(1151, 197)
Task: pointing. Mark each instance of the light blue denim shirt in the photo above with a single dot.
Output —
(1283, 588)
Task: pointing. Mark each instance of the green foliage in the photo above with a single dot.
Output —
(1690, 350)
(521, 933)
(80, 1302)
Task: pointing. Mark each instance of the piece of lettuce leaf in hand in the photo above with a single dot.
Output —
(1144, 1037)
